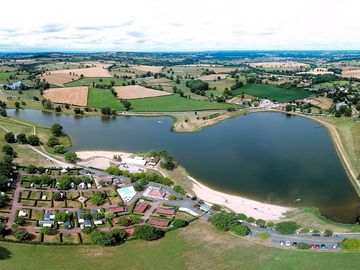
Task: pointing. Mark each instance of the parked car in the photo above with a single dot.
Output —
(294, 244)
(322, 246)
(312, 246)
(281, 243)
(287, 243)
(317, 246)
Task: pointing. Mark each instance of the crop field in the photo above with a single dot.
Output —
(279, 65)
(212, 77)
(99, 98)
(317, 71)
(5, 76)
(89, 81)
(160, 81)
(349, 73)
(272, 92)
(331, 84)
(137, 91)
(154, 69)
(323, 102)
(60, 77)
(197, 246)
(59, 66)
(68, 95)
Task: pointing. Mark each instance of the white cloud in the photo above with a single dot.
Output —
(143, 25)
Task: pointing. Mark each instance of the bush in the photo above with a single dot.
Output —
(9, 137)
(260, 222)
(71, 157)
(56, 196)
(59, 149)
(102, 238)
(22, 235)
(87, 230)
(303, 245)
(46, 230)
(98, 198)
(64, 182)
(148, 233)
(216, 207)
(34, 140)
(3, 200)
(328, 233)
(52, 141)
(240, 229)
(20, 221)
(224, 221)
(8, 150)
(350, 243)
(304, 230)
(56, 130)
(2, 230)
(264, 235)
(179, 223)
(179, 189)
(31, 169)
(250, 219)
(287, 227)
(21, 138)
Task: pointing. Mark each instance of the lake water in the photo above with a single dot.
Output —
(271, 157)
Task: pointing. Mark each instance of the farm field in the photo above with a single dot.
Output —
(279, 65)
(272, 92)
(89, 81)
(27, 94)
(212, 77)
(323, 102)
(188, 248)
(99, 98)
(4, 76)
(137, 91)
(68, 95)
(355, 73)
(331, 84)
(146, 68)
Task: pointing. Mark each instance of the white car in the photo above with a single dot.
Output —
(287, 243)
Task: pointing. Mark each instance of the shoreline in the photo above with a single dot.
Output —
(236, 203)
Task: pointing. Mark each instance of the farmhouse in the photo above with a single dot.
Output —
(159, 222)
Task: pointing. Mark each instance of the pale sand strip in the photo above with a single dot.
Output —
(239, 204)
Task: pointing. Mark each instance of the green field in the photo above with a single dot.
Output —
(272, 92)
(89, 81)
(5, 75)
(198, 246)
(99, 98)
(331, 84)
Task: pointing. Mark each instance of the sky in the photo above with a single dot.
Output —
(179, 25)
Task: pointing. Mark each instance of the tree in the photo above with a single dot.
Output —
(8, 150)
(288, 108)
(87, 230)
(56, 130)
(20, 221)
(22, 235)
(57, 196)
(3, 200)
(260, 222)
(179, 223)
(240, 229)
(287, 227)
(62, 216)
(21, 138)
(9, 137)
(106, 111)
(179, 189)
(53, 141)
(71, 157)
(64, 182)
(46, 230)
(47, 104)
(2, 230)
(3, 112)
(126, 104)
(59, 149)
(102, 238)
(98, 198)
(149, 233)
(328, 233)
(33, 140)
(31, 169)
(350, 243)
(224, 221)
(17, 104)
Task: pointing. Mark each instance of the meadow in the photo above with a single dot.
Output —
(272, 92)
(99, 98)
(199, 246)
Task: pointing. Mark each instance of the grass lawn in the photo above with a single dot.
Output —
(272, 92)
(5, 75)
(99, 98)
(27, 94)
(89, 81)
(198, 246)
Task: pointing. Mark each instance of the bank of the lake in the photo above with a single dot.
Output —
(269, 157)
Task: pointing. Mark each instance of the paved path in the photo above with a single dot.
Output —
(148, 213)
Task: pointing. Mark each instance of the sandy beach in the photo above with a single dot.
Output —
(100, 159)
(239, 204)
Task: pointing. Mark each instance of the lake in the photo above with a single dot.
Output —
(268, 156)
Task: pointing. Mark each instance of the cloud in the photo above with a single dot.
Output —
(52, 28)
(103, 27)
(136, 34)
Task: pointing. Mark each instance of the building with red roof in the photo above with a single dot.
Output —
(159, 222)
(167, 211)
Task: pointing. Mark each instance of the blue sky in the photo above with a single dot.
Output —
(196, 25)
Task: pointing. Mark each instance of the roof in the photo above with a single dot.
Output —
(165, 211)
(87, 222)
(117, 209)
(141, 207)
(79, 213)
(155, 160)
(205, 207)
(159, 222)
(46, 222)
(134, 161)
(47, 215)
(104, 179)
(156, 192)
(130, 231)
